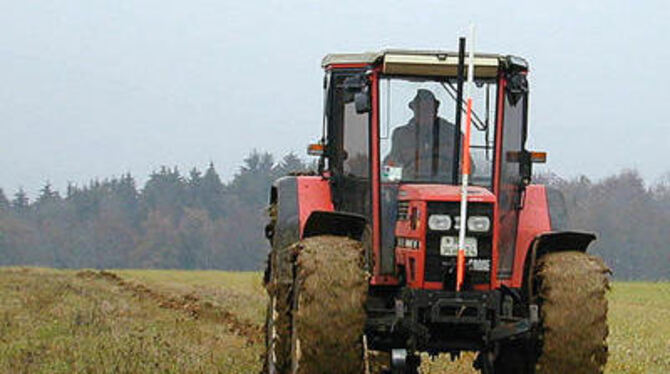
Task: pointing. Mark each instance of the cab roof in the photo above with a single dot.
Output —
(424, 62)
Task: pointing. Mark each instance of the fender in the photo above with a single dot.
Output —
(542, 228)
(552, 242)
(293, 199)
(335, 223)
(560, 241)
(350, 225)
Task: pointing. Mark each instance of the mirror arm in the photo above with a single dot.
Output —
(525, 167)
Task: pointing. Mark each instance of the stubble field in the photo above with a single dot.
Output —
(146, 321)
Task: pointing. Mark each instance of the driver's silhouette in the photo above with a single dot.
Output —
(424, 147)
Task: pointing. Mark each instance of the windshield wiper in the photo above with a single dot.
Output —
(479, 124)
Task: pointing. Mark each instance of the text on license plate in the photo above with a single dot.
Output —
(449, 246)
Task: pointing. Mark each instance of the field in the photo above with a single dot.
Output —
(136, 321)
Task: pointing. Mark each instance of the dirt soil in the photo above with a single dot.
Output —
(190, 304)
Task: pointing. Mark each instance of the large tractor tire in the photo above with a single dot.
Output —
(571, 289)
(319, 317)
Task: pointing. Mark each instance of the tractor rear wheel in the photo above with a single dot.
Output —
(571, 290)
(323, 330)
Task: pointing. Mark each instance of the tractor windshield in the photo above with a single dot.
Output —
(418, 131)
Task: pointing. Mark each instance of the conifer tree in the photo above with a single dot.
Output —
(212, 193)
(21, 202)
(47, 194)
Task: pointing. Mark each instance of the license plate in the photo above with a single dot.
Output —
(449, 246)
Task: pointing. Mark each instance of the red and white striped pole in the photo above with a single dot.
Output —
(465, 165)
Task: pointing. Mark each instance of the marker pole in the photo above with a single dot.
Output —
(465, 165)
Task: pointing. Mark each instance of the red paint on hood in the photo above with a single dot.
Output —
(443, 192)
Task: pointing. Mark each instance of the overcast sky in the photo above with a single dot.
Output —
(96, 88)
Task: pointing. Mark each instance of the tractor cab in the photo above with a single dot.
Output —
(393, 149)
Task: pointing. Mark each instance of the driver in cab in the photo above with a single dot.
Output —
(424, 147)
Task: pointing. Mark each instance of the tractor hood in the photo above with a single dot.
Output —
(443, 192)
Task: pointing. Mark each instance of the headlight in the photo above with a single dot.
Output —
(439, 222)
(479, 223)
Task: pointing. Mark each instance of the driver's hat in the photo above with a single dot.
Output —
(423, 94)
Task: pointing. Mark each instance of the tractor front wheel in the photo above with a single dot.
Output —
(571, 289)
(323, 331)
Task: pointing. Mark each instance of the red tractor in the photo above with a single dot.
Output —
(362, 275)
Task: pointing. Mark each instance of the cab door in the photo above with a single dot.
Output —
(348, 147)
(512, 141)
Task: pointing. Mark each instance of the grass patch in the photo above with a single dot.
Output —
(639, 328)
(54, 321)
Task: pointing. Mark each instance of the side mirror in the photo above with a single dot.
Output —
(525, 167)
(362, 101)
(358, 86)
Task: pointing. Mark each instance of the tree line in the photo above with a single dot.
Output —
(192, 221)
(196, 221)
(631, 220)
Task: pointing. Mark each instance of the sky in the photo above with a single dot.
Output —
(91, 89)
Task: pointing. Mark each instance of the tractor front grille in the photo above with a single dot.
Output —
(443, 268)
(403, 210)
